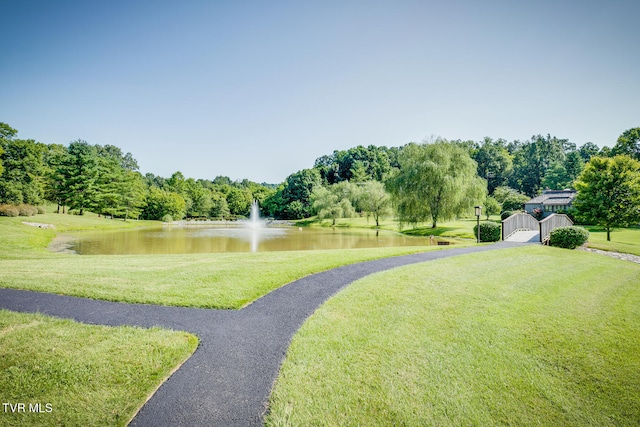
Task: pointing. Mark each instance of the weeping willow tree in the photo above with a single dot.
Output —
(436, 181)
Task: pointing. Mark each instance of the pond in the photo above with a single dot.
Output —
(172, 239)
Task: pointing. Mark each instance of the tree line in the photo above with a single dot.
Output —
(435, 181)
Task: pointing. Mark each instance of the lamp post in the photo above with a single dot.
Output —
(478, 213)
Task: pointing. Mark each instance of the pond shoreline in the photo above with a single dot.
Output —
(62, 244)
(225, 237)
(239, 223)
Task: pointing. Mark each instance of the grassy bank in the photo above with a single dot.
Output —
(529, 336)
(197, 280)
(625, 240)
(18, 240)
(458, 229)
(81, 375)
(223, 280)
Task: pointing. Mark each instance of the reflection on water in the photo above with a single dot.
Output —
(206, 239)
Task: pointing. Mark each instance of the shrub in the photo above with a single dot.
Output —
(27, 210)
(489, 231)
(42, 210)
(9, 210)
(506, 214)
(568, 237)
(167, 218)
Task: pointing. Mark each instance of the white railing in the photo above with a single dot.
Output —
(552, 222)
(518, 222)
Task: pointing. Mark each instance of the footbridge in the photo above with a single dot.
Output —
(522, 227)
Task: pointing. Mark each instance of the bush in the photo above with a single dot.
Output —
(42, 210)
(27, 210)
(167, 218)
(9, 210)
(506, 214)
(489, 231)
(568, 237)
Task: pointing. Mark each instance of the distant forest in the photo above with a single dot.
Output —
(102, 179)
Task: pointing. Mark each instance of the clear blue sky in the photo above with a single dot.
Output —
(260, 89)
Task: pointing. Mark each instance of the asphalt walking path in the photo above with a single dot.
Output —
(228, 380)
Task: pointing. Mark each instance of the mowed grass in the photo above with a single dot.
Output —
(625, 240)
(81, 375)
(459, 229)
(524, 336)
(23, 241)
(222, 280)
(225, 281)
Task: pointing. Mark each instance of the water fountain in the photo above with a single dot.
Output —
(254, 216)
(255, 224)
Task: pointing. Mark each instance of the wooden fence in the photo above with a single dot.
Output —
(526, 222)
(518, 222)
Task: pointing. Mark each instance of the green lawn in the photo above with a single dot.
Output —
(460, 229)
(82, 375)
(228, 280)
(223, 280)
(625, 240)
(527, 336)
(22, 241)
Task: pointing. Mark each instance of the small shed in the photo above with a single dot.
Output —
(551, 201)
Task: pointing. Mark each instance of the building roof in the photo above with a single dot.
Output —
(554, 197)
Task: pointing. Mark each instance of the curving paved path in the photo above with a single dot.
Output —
(228, 380)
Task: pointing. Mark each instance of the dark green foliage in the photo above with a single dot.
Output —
(21, 180)
(571, 213)
(609, 193)
(532, 160)
(292, 199)
(489, 231)
(357, 164)
(561, 175)
(510, 199)
(588, 150)
(629, 143)
(161, 203)
(79, 173)
(494, 162)
(568, 237)
(295, 210)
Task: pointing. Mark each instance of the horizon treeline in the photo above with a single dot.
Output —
(106, 181)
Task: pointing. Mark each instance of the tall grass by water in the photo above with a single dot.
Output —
(525, 336)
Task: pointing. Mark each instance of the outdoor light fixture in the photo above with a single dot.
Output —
(478, 213)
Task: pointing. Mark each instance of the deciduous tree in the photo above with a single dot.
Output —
(22, 178)
(375, 200)
(494, 163)
(330, 204)
(629, 143)
(609, 192)
(436, 181)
